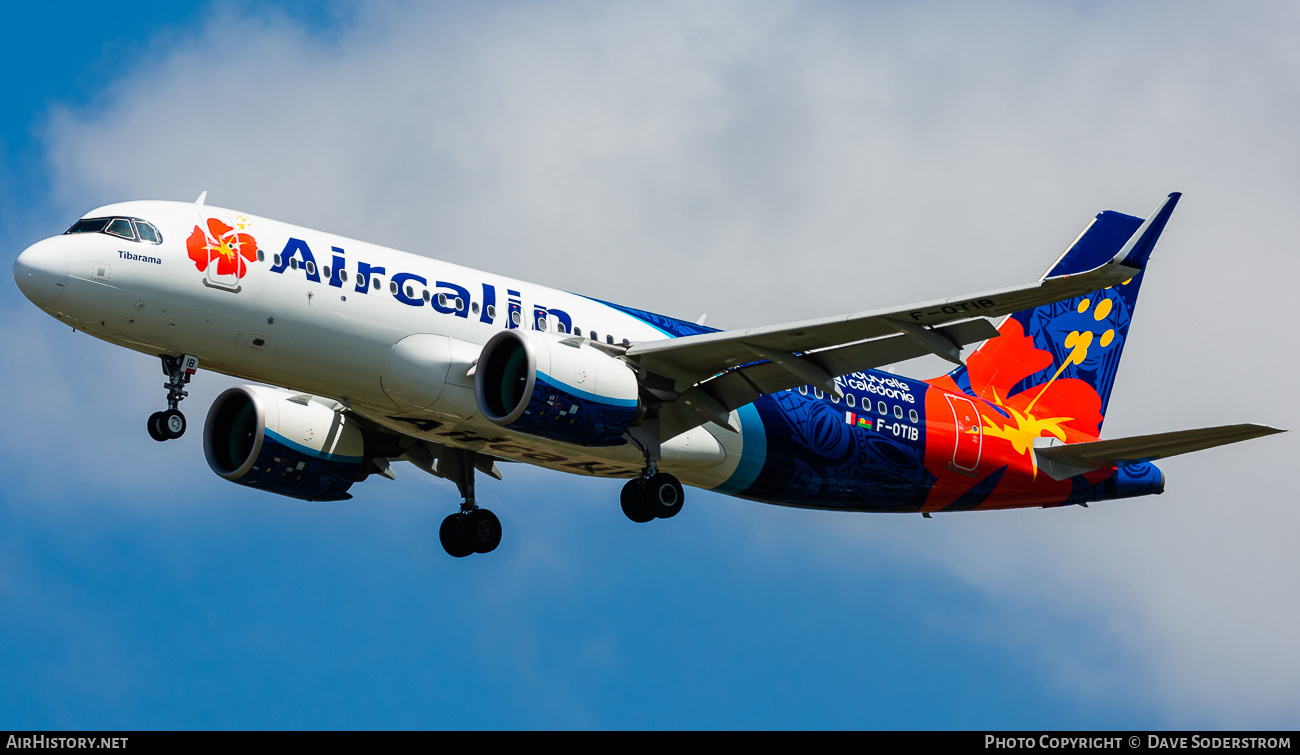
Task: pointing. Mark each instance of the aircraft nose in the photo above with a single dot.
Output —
(41, 271)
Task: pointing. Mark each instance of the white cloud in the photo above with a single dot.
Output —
(773, 161)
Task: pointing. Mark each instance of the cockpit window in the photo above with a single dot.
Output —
(132, 229)
(120, 227)
(89, 225)
(147, 232)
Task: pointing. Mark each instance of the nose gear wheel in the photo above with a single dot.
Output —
(170, 424)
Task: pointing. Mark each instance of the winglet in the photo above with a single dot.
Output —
(202, 198)
(1139, 246)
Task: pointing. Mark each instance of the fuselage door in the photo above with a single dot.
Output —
(969, 434)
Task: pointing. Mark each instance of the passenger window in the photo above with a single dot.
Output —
(311, 267)
(911, 414)
(392, 287)
(803, 390)
(376, 282)
(426, 296)
(293, 263)
(325, 271)
(884, 410)
(120, 227)
(577, 331)
(442, 300)
(474, 307)
(460, 304)
(834, 399)
(343, 275)
(609, 339)
(626, 342)
(594, 337)
(848, 399)
(277, 259)
(898, 411)
(817, 393)
(410, 292)
(147, 232)
(261, 256)
(491, 312)
(514, 318)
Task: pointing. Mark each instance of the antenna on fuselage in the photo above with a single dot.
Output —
(199, 202)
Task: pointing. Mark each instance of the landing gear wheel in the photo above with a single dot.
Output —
(172, 423)
(480, 530)
(449, 534)
(157, 430)
(633, 505)
(661, 495)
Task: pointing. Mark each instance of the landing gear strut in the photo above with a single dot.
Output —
(655, 494)
(170, 424)
(472, 530)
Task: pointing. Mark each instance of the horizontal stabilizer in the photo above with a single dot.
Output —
(1075, 458)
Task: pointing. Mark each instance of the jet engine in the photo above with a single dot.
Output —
(557, 387)
(284, 442)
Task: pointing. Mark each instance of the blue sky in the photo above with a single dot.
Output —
(761, 162)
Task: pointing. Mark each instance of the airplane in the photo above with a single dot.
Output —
(365, 356)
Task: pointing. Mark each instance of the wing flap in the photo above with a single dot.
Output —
(741, 386)
(735, 388)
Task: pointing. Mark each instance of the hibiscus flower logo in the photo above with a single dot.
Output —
(230, 249)
(1028, 396)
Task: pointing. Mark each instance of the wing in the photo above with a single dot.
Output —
(704, 377)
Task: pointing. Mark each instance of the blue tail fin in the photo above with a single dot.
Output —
(1060, 360)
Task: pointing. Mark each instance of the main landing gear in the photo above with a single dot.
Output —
(653, 495)
(170, 424)
(472, 530)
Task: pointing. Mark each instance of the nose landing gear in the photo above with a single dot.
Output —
(170, 424)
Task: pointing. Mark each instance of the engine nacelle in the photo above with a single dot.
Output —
(283, 442)
(557, 387)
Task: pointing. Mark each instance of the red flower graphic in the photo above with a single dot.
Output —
(223, 244)
(1066, 408)
(995, 369)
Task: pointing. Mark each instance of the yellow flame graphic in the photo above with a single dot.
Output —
(1023, 428)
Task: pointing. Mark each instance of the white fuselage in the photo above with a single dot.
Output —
(280, 321)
